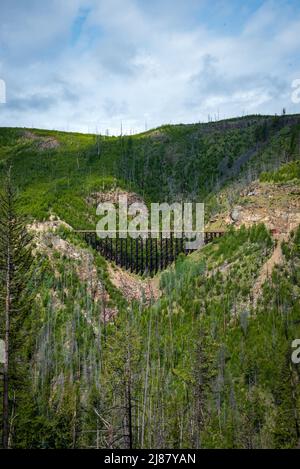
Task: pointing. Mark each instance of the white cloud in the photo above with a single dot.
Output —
(129, 63)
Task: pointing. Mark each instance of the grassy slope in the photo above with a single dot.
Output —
(173, 162)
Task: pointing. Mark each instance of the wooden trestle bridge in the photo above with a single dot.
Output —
(143, 255)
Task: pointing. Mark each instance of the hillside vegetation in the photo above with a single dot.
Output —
(56, 171)
(199, 356)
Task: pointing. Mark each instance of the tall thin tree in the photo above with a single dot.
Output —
(15, 263)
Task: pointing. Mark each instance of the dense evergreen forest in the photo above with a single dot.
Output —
(206, 363)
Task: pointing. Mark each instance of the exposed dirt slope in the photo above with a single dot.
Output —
(112, 196)
(42, 143)
(275, 205)
(266, 271)
(133, 287)
(49, 243)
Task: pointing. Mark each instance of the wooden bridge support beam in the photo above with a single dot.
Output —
(143, 255)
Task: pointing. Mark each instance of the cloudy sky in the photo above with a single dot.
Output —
(89, 65)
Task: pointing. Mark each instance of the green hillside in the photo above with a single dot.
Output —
(204, 361)
(56, 171)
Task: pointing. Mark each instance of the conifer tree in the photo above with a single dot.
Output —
(15, 263)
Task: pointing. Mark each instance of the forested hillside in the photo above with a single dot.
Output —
(199, 356)
(56, 171)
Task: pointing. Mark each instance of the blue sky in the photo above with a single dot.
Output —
(88, 65)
